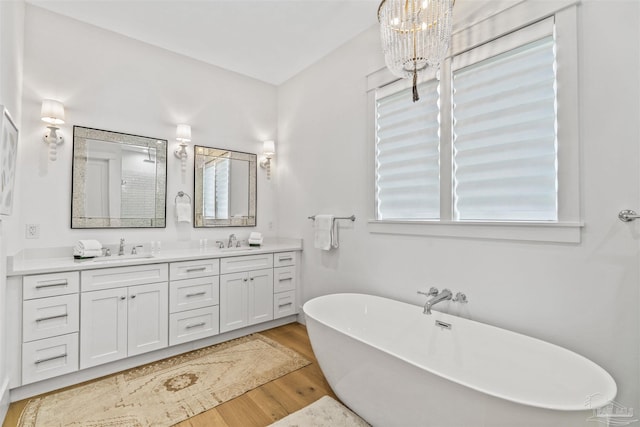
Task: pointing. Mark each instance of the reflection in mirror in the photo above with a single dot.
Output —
(119, 180)
(225, 188)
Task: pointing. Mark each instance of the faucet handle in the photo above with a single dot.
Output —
(432, 292)
(461, 298)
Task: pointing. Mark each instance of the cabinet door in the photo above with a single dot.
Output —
(260, 296)
(103, 332)
(233, 301)
(148, 318)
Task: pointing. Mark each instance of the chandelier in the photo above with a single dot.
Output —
(415, 35)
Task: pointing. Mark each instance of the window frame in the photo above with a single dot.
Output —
(567, 229)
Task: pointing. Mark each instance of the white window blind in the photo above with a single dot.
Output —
(408, 152)
(505, 133)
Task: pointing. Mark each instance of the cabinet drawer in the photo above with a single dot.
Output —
(107, 278)
(49, 317)
(284, 279)
(245, 263)
(193, 293)
(284, 304)
(50, 285)
(282, 259)
(193, 269)
(50, 357)
(193, 324)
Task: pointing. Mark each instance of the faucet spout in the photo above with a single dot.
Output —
(444, 295)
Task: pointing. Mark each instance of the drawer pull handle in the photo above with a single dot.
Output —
(284, 305)
(196, 294)
(286, 259)
(52, 284)
(48, 359)
(59, 316)
(191, 270)
(284, 279)
(195, 325)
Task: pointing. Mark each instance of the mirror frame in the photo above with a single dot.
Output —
(199, 220)
(78, 216)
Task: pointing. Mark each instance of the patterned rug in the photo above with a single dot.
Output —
(324, 412)
(168, 391)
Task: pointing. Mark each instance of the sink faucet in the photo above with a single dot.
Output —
(121, 249)
(232, 239)
(444, 295)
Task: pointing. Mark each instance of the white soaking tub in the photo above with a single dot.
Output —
(394, 366)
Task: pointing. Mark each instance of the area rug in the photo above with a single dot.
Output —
(168, 391)
(324, 412)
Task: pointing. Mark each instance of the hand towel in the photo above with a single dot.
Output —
(87, 249)
(89, 245)
(183, 211)
(323, 236)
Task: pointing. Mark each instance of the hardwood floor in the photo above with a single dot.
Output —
(261, 406)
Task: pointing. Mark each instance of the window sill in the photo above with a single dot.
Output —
(560, 232)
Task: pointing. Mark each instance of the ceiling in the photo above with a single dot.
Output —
(270, 40)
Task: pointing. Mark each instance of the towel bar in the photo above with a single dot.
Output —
(352, 217)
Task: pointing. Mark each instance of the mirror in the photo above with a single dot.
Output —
(224, 188)
(119, 180)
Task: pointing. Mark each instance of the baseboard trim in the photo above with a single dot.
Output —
(5, 399)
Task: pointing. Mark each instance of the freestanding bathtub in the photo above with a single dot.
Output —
(394, 366)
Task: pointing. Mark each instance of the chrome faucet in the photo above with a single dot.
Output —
(232, 239)
(444, 295)
(121, 249)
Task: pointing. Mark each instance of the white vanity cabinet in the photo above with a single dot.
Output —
(76, 321)
(193, 300)
(284, 284)
(246, 291)
(49, 325)
(121, 321)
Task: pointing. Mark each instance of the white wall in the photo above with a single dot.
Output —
(111, 82)
(581, 296)
(11, 49)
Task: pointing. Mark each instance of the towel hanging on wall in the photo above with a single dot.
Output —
(183, 207)
(324, 236)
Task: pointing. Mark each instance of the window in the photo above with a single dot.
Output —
(407, 152)
(493, 143)
(504, 134)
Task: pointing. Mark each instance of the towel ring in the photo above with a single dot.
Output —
(181, 194)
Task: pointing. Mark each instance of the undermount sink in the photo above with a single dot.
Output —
(117, 258)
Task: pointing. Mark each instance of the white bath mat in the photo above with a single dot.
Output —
(324, 412)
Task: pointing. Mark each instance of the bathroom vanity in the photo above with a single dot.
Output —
(77, 320)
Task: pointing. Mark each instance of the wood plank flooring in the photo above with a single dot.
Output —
(263, 405)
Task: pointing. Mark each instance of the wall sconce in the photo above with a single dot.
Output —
(268, 150)
(52, 112)
(183, 135)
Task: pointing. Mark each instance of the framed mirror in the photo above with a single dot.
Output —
(224, 188)
(119, 180)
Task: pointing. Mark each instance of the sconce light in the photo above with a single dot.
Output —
(183, 135)
(268, 150)
(52, 112)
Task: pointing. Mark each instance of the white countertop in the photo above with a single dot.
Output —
(48, 260)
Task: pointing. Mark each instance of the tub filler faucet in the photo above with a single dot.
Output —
(436, 297)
